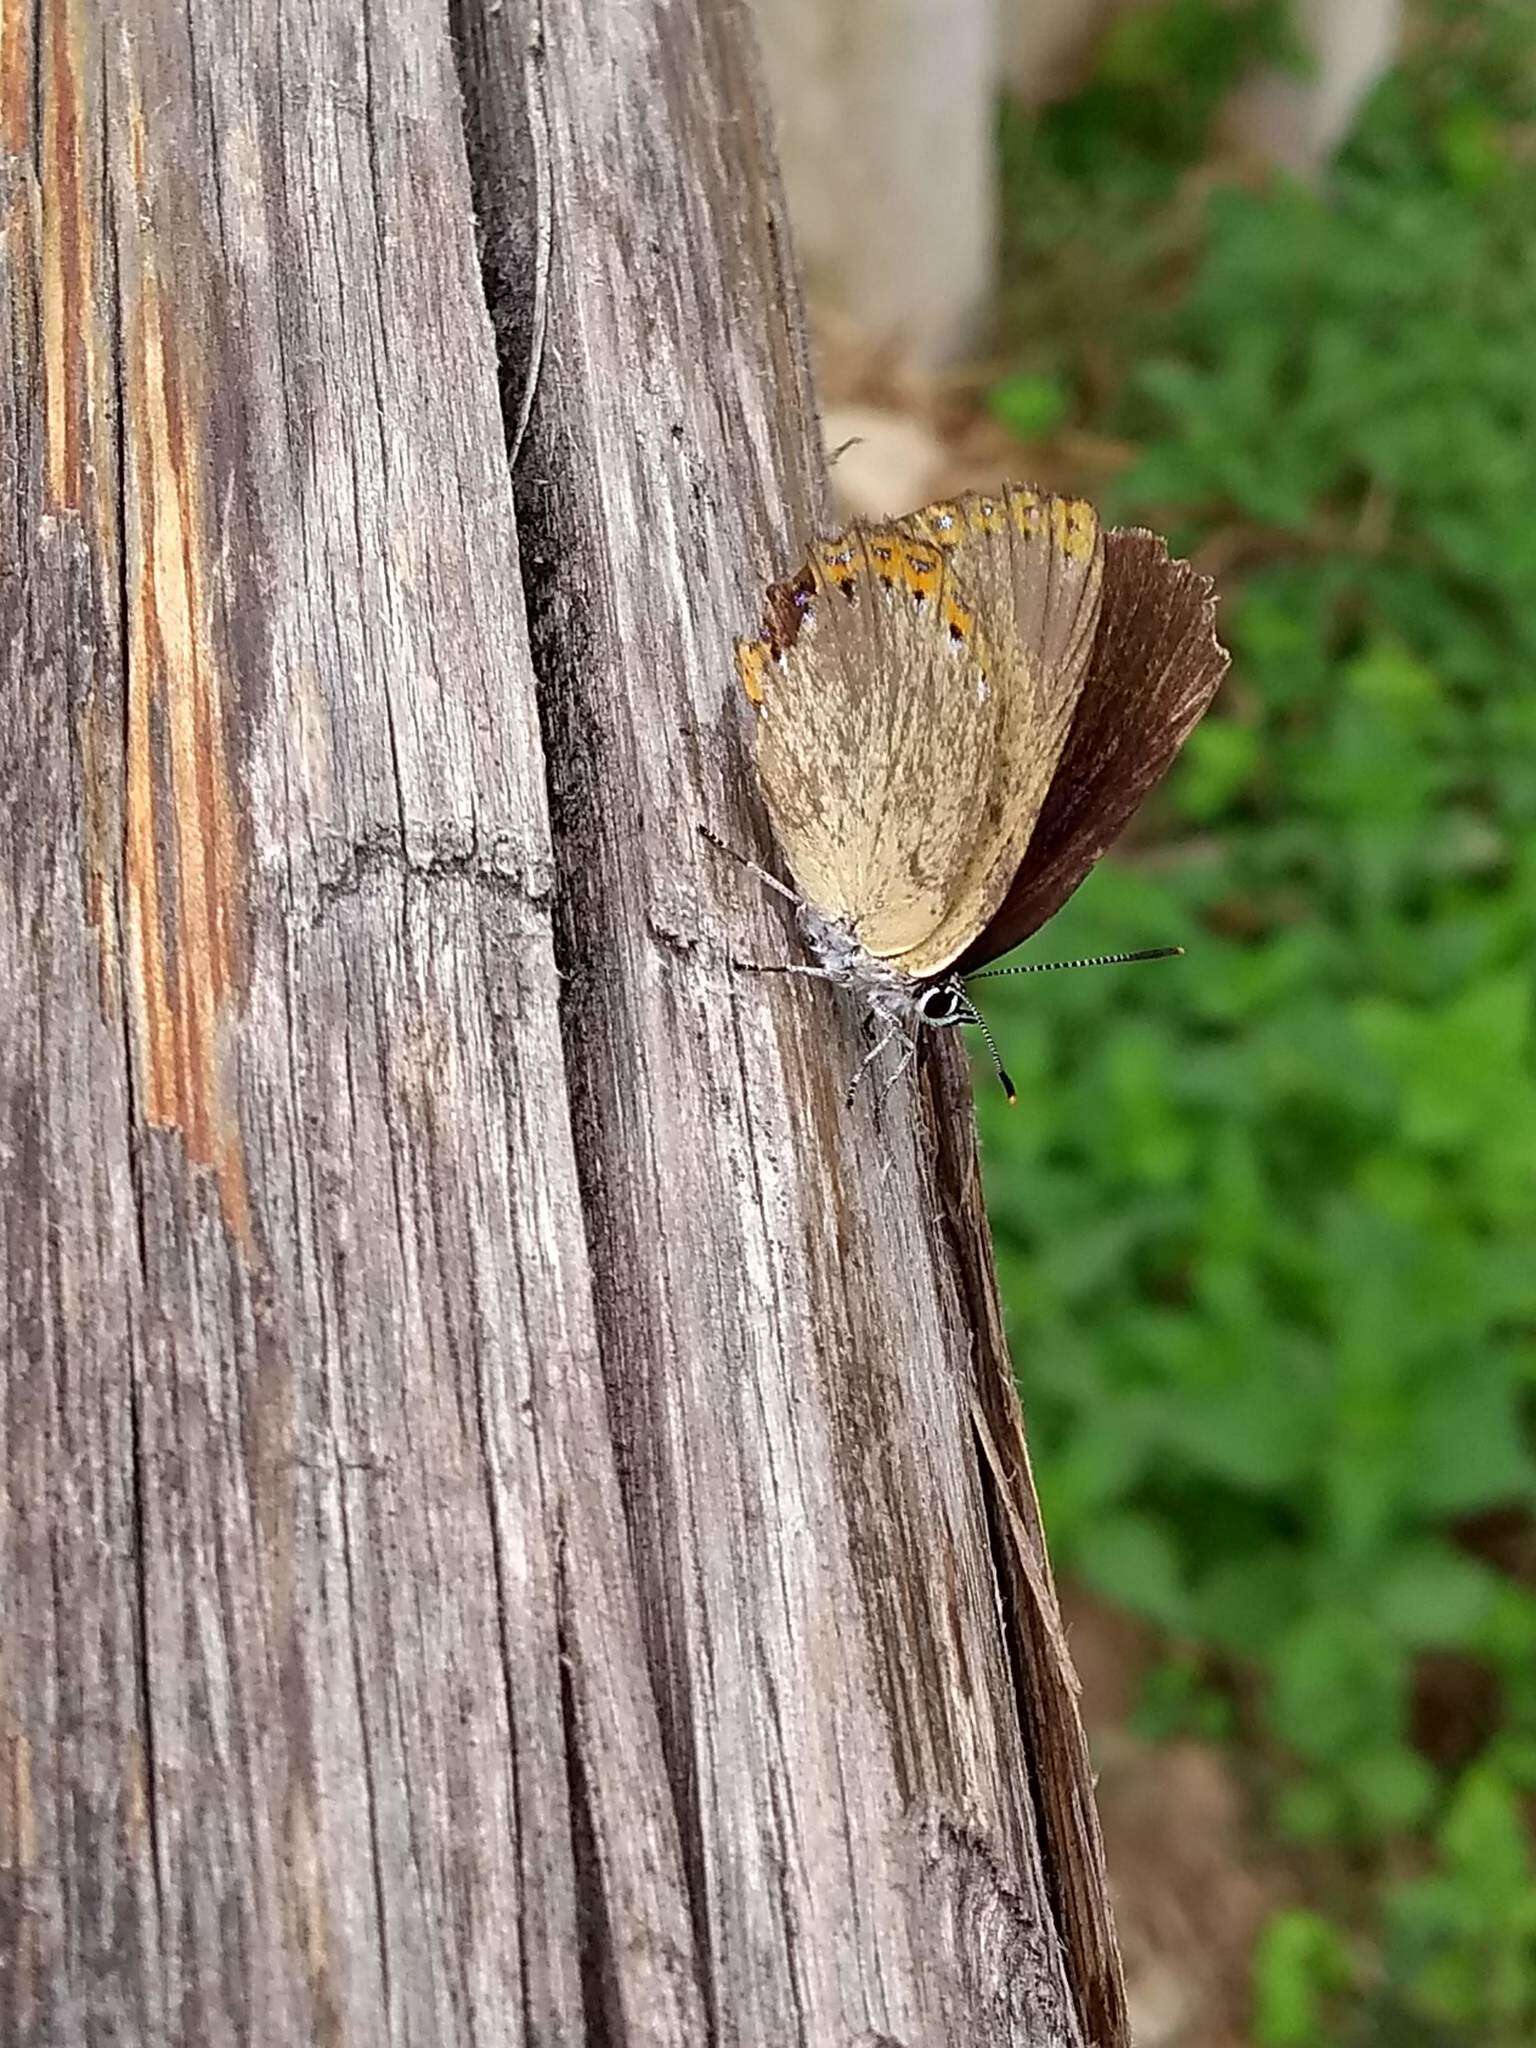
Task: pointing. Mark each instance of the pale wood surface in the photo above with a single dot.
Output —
(885, 112)
(512, 1519)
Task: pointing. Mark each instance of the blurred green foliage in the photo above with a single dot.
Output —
(1266, 1218)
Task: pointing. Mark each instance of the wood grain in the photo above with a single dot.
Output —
(796, 1308)
(493, 1540)
(323, 1697)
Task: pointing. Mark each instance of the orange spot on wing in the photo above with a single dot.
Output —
(751, 666)
(921, 569)
(839, 562)
(1074, 527)
(1027, 515)
(942, 523)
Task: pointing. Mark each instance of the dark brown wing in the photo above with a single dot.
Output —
(1156, 665)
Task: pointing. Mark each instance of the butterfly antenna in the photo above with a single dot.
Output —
(980, 1022)
(1094, 960)
(768, 881)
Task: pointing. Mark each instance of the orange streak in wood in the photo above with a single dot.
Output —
(136, 1817)
(19, 1853)
(70, 355)
(100, 778)
(15, 77)
(308, 1910)
(19, 1836)
(181, 857)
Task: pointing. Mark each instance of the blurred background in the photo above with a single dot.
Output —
(1260, 274)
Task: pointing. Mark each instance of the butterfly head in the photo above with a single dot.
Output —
(943, 1004)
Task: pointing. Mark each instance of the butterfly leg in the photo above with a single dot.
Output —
(779, 967)
(901, 1066)
(769, 882)
(867, 1062)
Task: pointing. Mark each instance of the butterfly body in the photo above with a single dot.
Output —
(956, 712)
(895, 996)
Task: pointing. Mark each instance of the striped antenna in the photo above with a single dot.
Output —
(980, 1022)
(1096, 960)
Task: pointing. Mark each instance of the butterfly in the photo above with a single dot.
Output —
(956, 713)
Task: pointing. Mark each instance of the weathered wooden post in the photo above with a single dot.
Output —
(514, 1523)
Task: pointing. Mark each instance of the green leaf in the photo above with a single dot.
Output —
(1246, 1603)
(1433, 1597)
(1219, 761)
(1129, 1559)
(1030, 407)
(1392, 1787)
(1301, 1962)
(1463, 1068)
(1338, 1683)
(1468, 1438)
(1484, 1838)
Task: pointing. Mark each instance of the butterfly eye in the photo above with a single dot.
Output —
(944, 1004)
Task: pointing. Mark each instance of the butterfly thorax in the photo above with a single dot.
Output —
(834, 945)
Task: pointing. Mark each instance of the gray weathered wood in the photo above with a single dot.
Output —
(512, 1519)
(796, 1304)
(323, 1695)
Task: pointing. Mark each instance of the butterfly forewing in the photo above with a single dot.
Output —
(914, 687)
(876, 733)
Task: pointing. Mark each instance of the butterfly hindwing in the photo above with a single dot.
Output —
(1156, 664)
